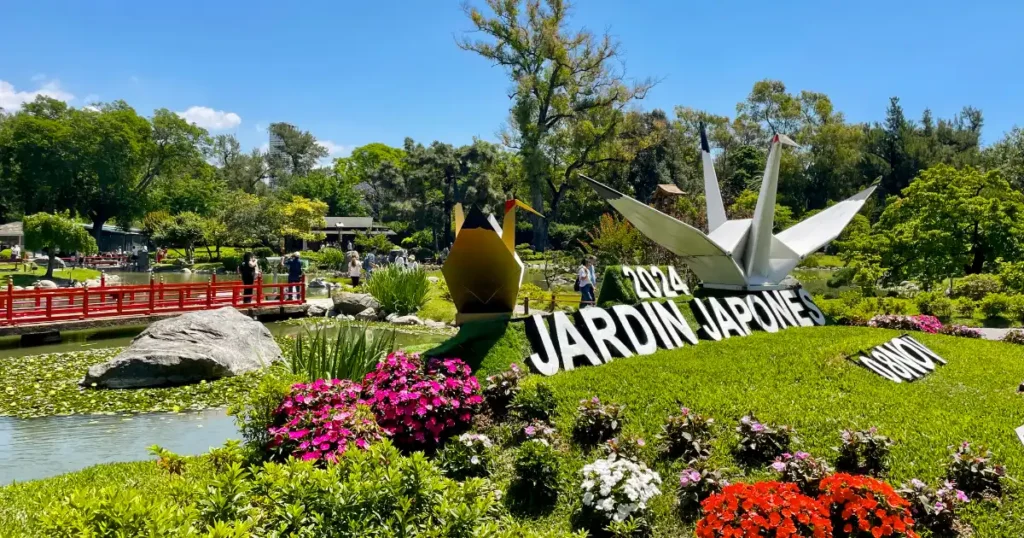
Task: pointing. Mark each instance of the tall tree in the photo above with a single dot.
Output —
(569, 94)
(56, 234)
(292, 153)
(238, 170)
(363, 170)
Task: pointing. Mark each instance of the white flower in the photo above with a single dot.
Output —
(475, 460)
(588, 499)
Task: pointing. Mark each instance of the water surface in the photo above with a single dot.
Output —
(36, 448)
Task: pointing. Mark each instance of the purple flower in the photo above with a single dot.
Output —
(530, 431)
(917, 483)
(779, 466)
(757, 427)
(802, 455)
(961, 496)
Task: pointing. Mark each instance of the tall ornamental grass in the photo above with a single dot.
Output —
(399, 291)
(350, 354)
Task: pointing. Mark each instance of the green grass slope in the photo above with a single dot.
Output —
(801, 377)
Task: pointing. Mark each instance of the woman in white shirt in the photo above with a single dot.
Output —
(585, 278)
(355, 270)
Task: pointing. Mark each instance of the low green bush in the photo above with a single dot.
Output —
(977, 286)
(231, 263)
(256, 409)
(534, 487)
(1017, 307)
(264, 252)
(399, 291)
(964, 306)
(331, 258)
(1011, 274)
(994, 305)
(368, 493)
(536, 402)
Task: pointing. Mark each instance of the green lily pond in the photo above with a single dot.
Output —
(50, 425)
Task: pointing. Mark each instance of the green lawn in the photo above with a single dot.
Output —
(798, 377)
(60, 276)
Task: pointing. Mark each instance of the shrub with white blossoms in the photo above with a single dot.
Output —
(615, 489)
(466, 456)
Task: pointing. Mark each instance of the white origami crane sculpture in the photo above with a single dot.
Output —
(743, 253)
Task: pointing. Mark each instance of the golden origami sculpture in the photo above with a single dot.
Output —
(483, 271)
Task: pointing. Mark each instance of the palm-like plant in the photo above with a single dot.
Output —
(350, 354)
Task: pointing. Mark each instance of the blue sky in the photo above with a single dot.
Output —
(354, 73)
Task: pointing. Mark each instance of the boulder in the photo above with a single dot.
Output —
(186, 349)
(354, 303)
(432, 279)
(319, 283)
(407, 320)
(46, 284)
(186, 271)
(390, 317)
(433, 324)
(316, 311)
(345, 317)
(42, 261)
(368, 314)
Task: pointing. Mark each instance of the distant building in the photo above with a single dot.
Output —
(276, 152)
(339, 231)
(112, 238)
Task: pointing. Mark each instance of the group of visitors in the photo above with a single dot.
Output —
(357, 268)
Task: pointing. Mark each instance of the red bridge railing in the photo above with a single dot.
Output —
(21, 307)
(113, 260)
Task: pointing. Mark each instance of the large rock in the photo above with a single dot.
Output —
(354, 303)
(406, 320)
(316, 311)
(368, 314)
(46, 285)
(197, 346)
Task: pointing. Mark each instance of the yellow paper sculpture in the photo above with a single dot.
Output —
(483, 271)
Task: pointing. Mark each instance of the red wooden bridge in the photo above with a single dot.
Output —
(42, 305)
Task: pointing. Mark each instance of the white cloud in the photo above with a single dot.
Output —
(91, 98)
(208, 118)
(335, 150)
(12, 100)
(264, 147)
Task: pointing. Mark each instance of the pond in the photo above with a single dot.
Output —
(122, 336)
(31, 449)
(142, 277)
(40, 447)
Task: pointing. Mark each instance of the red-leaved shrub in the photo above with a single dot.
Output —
(421, 405)
(321, 420)
(763, 509)
(865, 507)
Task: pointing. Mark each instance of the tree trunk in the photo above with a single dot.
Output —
(977, 260)
(49, 264)
(540, 226)
(98, 220)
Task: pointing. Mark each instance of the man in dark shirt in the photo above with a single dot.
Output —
(294, 266)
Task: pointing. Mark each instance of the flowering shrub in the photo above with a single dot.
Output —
(695, 486)
(924, 323)
(616, 489)
(625, 446)
(934, 509)
(864, 452)
(466, 456)
(863, 507)
(320, 421)
(763, 509)
(536, 403)
(761, 443)
(419, 406)
(501, 389)
(537, 430)
(973, 471)
(686, 435)
(1015, 336)
(962, 331)
(802, 469)
(596, 422)
(534, 486)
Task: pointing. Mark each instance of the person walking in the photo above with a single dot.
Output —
(585, 282)
(249, 270)
(412, 264)
(369, 264)
(355, 270)
(294, 266)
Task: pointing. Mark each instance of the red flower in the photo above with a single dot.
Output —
(763, 509)
(863, 507)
